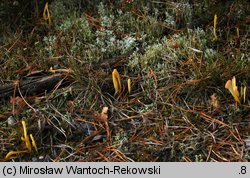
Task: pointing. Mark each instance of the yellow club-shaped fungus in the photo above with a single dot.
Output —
(129, 85)
(231, 86)
(116, 81)
(243, 91)
(46, 13)
(33, 142)
(13, 154)
(26, 138)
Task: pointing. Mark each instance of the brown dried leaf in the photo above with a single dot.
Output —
(104, 116)
(214, 101)
(18, 104)
(103, 119)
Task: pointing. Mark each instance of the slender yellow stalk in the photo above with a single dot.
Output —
(244, 95)
(46, 13)
(13, 154)
(215, 26)
(243, 91)
(25, 138)
(33, 142)
(238, 32)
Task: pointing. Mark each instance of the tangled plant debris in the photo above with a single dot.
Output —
(146, 80)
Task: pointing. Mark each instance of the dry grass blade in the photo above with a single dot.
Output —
(170, 103)
(102, 156)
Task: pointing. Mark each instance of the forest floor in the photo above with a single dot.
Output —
(142, 81)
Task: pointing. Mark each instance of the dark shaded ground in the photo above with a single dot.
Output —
(178, 108)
